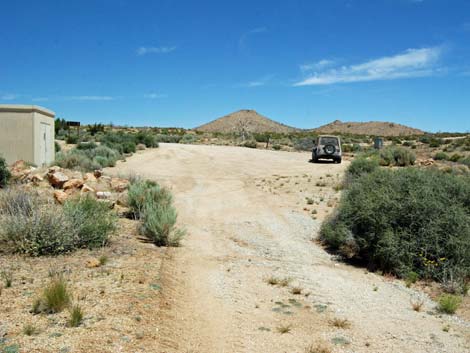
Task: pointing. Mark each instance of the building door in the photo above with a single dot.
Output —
(44, 141)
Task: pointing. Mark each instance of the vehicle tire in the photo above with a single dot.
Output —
(329, 149)
(314, 158)
(338, 160)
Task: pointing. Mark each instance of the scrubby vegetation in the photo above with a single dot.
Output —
(33, 225)
(396, 156)
(153, 205)
(404, 220)
(4, 173)
(54, 298)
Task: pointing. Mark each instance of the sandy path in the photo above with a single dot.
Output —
(247, 221)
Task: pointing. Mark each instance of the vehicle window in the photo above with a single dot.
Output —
(329, 141)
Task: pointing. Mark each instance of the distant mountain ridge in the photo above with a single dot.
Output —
(377, 128)
(248, 120)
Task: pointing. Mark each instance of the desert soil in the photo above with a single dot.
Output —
(248, 220)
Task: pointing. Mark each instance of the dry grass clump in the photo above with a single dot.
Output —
(30, 330)
(7, 277)
(417, 304)
(296, 290)
(282, 329)
(54, 298)
(449, 303)
(76, 316)
(341, 323)
(320, 347)
(276, 281)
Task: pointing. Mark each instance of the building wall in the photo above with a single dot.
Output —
(39, 158)
(21, 134)
(16, 136)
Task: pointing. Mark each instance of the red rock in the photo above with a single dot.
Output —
(57, 179)
(86, 189)
(60, 196)
(73, 184)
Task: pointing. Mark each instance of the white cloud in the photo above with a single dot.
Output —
(411, 63)
(9, 97)
(257, 83)
(322, 64)
(155, 50)
(155, 95)
(91, 98)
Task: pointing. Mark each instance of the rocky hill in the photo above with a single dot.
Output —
(378, 128)
(246, 120)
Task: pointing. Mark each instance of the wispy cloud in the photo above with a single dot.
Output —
(257, 83)
(91, 98)
(155, 95)
(8, 97)
(319, 65)
(411, 63)
(246, 35)
(155, 50)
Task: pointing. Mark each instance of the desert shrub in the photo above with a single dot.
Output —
(448, 303)
(159, 224)
(33, 226)
(304, 144)
(4, 173)
(71, 139)
(465, 161)
(188, 139)
(86, 145)
(250, 144)
(153, 205)
(455, 157)
(261, 137)
(129, 147)
(405, 220)
(396, 156)
(57, 147)
(362, 165)
(76, 159)
(168, 138)
(276, 147)
(147, 139)
(54, 298)
(92, 220)
(441, 156)
(435, 142)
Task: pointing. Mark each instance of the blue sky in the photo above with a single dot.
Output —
(183, 63)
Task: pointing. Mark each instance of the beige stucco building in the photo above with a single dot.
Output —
(27, 133)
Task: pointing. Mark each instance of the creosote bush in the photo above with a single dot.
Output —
(32, 225)
(153, 205)
(4, 173)
(404, 220)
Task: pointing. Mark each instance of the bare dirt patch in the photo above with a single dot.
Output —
(245, 227)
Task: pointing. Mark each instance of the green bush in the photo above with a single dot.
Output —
(441, 156)
(159, 223)
(93, 221)
(34, 226)
(455, 157)
(71, 139)
(362, 165)
(4, 173)
(449, 303)
(397, 156)
(168, 138)
(76, 159)
(146, 138)
(304, 143)
(250, 144)
(188, 139)
(276, 147)
(153, 205)
(405, 220)
(57, 147)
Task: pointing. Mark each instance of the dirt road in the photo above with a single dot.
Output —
(252, 217)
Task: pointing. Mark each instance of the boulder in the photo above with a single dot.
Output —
(98, 173)
(86, 188)
(57, 179)
(103, 195)
(89, 177)
(73, 184)
(60, 196)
